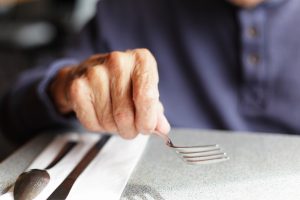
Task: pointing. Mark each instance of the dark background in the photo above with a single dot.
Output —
(32, 32)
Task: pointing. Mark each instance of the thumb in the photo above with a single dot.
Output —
(163, 125)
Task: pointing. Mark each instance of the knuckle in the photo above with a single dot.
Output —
(145, 56)
(145, 98)
(144, 52)
(123, 117)
(76, 88)
(92, 72)
(96, 74)
(114, 60)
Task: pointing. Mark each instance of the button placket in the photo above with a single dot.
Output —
(253, 43)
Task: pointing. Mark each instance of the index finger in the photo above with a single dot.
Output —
(145, 90)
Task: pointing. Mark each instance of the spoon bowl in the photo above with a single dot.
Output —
(30, 184)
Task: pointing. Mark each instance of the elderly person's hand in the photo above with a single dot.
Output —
(115, 92)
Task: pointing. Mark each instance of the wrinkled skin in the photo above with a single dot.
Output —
(115, 92)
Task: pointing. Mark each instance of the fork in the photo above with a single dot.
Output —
(196, 155)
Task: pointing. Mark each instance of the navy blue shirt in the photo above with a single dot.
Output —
(220, 66)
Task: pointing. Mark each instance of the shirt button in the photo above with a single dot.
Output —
(254, 59)
(253, 32)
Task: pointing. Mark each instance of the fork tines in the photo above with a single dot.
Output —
(201, 154)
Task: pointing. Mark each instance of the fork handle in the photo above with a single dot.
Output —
(165, 138)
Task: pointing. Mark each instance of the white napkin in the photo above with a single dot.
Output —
(105, 177)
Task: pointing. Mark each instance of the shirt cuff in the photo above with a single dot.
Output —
(43, 90)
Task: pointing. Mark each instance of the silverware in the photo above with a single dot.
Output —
(65, 187)
(30, 184)
(196, 155)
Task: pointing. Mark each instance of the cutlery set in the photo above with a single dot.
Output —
(31, 183)
(64, 188)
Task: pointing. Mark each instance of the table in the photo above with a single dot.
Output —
(261, 166)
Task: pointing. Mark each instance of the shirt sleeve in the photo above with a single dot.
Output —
(26, 109)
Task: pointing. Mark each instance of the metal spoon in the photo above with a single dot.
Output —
(30, 184)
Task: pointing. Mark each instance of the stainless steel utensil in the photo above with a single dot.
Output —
(65, 187)
(30, 184)
(203, 154)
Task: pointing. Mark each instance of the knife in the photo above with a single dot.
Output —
(62, 191)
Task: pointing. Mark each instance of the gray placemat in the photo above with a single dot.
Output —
(261, 166)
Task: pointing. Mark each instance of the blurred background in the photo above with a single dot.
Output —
(32, 31)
